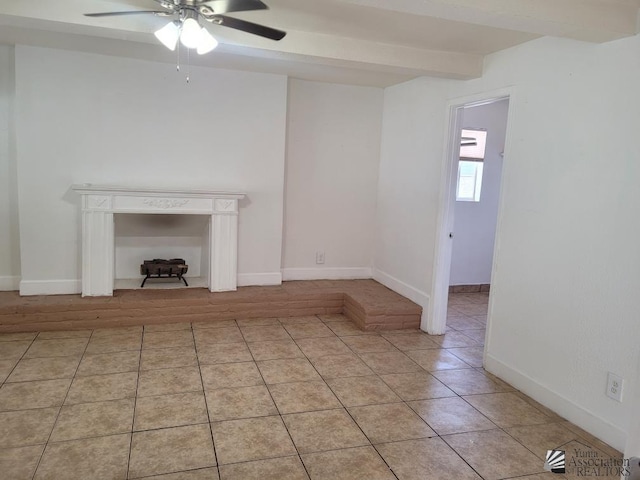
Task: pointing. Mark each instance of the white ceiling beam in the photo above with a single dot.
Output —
(337, 51)
(226, 56)
(587, 20)
(308, 47)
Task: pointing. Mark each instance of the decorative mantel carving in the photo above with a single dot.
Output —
(100, 203)
(166, 202)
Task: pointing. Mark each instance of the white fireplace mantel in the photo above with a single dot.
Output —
(100, 203)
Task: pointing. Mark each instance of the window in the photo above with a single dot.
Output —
(469, 181)
(470, 166)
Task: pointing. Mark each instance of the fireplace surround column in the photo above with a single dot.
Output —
(98, 246)
(100, 203)
(223, 236)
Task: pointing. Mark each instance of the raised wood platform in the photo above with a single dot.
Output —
(369, 304)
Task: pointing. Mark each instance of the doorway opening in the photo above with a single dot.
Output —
(469, 216)
(476, 216)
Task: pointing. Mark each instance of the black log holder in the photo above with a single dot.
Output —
(160, 268)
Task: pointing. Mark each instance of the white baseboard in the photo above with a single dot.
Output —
(8, 284)
(249, 279)
(346, 273)
(50, 287)
(564, 407)
(404, 289)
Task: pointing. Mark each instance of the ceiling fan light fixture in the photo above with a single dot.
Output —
(187, 29)
(169, 34)
(191, 31)
(206, 42)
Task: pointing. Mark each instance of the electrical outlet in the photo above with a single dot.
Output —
(320, 257)
(614, 386)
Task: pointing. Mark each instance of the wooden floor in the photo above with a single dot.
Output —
(370, 305)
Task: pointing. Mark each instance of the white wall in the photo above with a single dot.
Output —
(564, 304)
(106, 120)
(408, 188)
(9, 237)
(568, 249)
(333, 150)
(475, 222)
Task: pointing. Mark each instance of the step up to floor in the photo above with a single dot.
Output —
(369, 304)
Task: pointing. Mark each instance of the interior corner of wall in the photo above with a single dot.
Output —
(9, 283)
(403, 288)
(12, 282)
(424, 320)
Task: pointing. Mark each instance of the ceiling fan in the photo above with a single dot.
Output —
(187, 29)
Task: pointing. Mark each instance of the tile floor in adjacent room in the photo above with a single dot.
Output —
(288, 398)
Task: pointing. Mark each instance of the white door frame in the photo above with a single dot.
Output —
(437, 317)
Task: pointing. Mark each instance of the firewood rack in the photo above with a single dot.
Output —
(160, 268)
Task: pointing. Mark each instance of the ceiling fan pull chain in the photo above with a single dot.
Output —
(178, 58)
(188, 64)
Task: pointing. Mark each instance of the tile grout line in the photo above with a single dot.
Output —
(458, 454)
(19, 359)
(135, 402)
(457, 396)
(5, 381)
(61, 405)
(266, 386)
(345, 408)
(442, 437)
(341, 402)
(403, 401)
(396, 441)
(206, 402)
(527, 448)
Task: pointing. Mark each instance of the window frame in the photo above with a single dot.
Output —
(476, 160)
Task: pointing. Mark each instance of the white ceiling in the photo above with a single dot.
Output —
(365, 42)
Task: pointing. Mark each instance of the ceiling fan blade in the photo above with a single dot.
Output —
(226, 6)
(249, 27)
(133, 12)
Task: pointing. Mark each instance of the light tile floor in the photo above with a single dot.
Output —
(271, 399)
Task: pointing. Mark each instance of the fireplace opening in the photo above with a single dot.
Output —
(141, 237)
